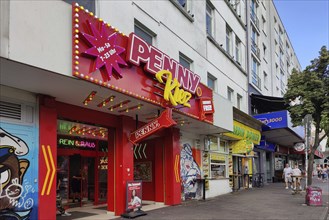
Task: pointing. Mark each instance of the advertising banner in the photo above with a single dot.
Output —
(134, 195)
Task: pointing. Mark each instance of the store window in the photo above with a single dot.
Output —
(218, 165)
(87, 4)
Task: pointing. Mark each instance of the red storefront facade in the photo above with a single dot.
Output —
(137, 79)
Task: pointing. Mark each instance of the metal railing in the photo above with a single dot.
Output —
(256, 79)
(255, 49)
(254, 18)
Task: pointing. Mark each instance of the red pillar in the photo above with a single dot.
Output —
(47, 158)
(124, 163)
(172, 167)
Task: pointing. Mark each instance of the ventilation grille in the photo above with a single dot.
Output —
(10, 110)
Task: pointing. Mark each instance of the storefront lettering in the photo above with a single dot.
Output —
(140, 52)
(179, 96)
(147, 129)
(76, 143)
(252, 136)
(270, 120)
(238, 131)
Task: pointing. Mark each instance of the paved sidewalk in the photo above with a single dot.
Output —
(272, 201)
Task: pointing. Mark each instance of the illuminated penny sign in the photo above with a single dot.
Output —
(105, 56)
(141, 52)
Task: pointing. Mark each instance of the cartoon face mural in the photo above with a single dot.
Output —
(12, 171)
(190, 172)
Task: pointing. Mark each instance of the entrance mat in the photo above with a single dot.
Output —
(74, 215)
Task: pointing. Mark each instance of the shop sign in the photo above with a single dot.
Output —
(164, 121)
(266, 146)
(76, 143)
(242, 147)
(274, 119)
(241, 131)
(179, 96)
(134, 195)
(299, 146)
(206, 107)
(155, 60)
(218, 157)
(105, 56)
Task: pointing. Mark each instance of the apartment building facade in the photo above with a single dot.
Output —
(271, 58)
(74, 115)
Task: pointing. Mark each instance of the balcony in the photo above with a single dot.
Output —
(281, 64)
(280, 41)
(254, 19)
(256, 80)
(255, 49)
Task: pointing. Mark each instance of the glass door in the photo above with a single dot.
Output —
(102, 172)
(62, 189)
(88, 181)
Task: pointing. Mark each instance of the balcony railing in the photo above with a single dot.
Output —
(254, 19)
(281, 64)
(256, 80)
(255, 49)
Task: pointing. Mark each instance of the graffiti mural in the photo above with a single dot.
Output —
(16, 201)
(190, 173)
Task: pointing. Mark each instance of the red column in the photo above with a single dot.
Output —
(47, 158)
(111, 171)
(172, 167)
(124, 163)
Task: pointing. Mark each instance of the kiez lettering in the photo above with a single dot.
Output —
(179, 96)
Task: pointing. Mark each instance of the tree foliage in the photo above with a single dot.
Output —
(308, 93)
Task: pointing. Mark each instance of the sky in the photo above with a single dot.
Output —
(307, 25)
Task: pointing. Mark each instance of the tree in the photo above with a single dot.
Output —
(308, 93)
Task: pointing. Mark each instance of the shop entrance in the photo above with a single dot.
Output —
(148, 167)
(82, 166)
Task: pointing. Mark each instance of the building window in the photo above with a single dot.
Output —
(228, 39)
(264, 50)
(238, 50)
(183, 3)
(223, 147)
(211, 82)
(185, 61)
(87, 4)
(238, 101)
(254, 73)
(230, 94)
(209, 19)
(253, 7)
(265, 80)
(143, 32)
(264, 25)
(218, 157)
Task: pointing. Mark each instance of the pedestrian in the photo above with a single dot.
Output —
(287, 175)
(325, 173)
(59, 204)
(296, 175)
(319, 169)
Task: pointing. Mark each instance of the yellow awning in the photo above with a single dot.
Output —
(244, 132)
